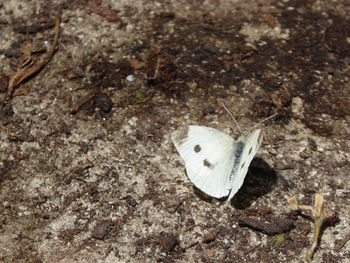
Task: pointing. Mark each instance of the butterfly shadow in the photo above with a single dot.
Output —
(259, 181)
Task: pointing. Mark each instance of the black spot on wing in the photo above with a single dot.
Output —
(206, 163)
(250, 150)
(242, 165)
(197, 148)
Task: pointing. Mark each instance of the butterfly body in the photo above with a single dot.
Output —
(238, 149)
(215, 162)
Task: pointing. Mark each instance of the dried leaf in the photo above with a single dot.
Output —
(319, 208)
(293, 203)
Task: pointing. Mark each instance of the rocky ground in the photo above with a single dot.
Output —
(88, 172)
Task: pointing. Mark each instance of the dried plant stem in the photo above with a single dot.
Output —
(319, 213)
(317, 228)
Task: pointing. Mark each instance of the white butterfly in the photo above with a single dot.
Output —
(215, 162)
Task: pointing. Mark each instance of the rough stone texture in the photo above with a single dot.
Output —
(83, 182)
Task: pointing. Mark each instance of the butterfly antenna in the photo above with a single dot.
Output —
(256, 125)
(239, 128)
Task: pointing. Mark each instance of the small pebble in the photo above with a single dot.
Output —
(103, 102)
(130, 78)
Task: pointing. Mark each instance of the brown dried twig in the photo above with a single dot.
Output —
(109, 14)
(23, 74)
(82, 101)
(344, 241)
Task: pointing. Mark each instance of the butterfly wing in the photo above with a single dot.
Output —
(209, 157)
(251, 146)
